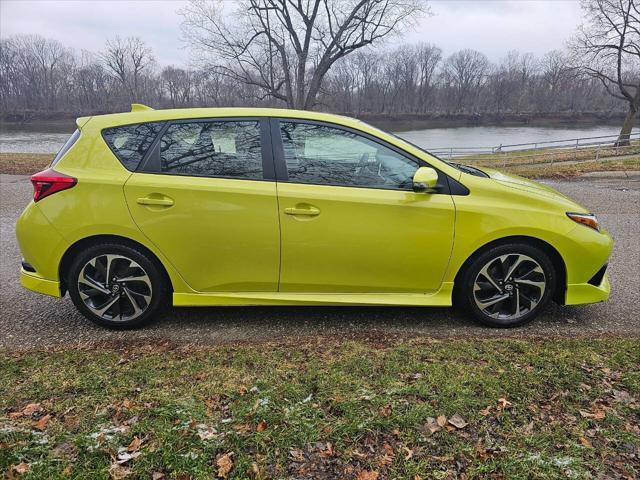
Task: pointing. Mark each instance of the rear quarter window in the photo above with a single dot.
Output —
(129, 143)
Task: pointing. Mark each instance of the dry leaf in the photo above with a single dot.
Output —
(585, 442)
(42, 423)
(127, 404)
(157, 476)
(72, 422)
(441, 420)
(135, 444)
(409, 453)
(385, 411)
(485, 411)
(68, 470)
(432, 425)
(457, 421)
(225, 465)
(368, 475)
(118, 472)
(261, 427)
(297, 454)
(15, 415)
(21, 468)
(504, 404)
(31, 409)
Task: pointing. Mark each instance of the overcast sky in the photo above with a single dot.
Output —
(492, 26)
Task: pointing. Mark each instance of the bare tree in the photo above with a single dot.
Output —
(465, 71)
(607, 47)
(286, 47)
(127, 59)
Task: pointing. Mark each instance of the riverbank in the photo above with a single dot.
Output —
(64, 122)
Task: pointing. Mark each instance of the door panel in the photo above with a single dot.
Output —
(363, 240)
(350, 221)
(221, 235)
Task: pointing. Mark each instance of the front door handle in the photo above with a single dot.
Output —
(309, 211)
(157, 201)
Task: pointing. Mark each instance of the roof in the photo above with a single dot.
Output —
(141, 113)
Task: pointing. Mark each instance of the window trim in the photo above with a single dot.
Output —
(282, 174)
(151, 163)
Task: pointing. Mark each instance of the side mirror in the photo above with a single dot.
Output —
(425, 179)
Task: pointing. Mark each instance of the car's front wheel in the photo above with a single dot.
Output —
(507, 285)
(116, 286)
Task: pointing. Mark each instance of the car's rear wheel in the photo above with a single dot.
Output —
(507, 285)
(116, 286)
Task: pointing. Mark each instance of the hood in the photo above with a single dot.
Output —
(521, 183)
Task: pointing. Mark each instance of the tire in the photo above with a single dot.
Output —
(507, 302)
(135, 292)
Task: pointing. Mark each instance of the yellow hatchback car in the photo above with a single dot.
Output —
(248, 206)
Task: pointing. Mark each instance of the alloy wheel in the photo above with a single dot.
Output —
(509, 286)
(114, 287)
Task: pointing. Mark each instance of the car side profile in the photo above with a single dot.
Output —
(250, 206)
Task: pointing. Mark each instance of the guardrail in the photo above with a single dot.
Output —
(594, 145)
(568, 150)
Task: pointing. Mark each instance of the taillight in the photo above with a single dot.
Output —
(48, 182)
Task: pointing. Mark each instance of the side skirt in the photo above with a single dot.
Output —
(441, 298)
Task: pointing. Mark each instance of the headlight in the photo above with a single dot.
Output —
(588, 219)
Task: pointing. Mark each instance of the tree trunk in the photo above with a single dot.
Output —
(627, 126)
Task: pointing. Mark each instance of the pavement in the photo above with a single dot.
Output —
(29, 320)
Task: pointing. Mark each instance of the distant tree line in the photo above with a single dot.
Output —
(42, 75)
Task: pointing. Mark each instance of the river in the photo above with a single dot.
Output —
(23, 141)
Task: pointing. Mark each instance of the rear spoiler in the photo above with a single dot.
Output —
(82, 121)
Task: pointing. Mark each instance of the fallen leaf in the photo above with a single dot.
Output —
(118, 472)
(15, 415)
(31, 409)
(432, 425)
(297, 454)
(21, 468)
(486, 411)
(441, 420)
(225, 465)
(135, 444)
(585, 442)
(368, 475)
(385, 411)
(409, 453)
(68, 470)
(457, 421)
(157, 476)
(261, 427)
(242, 391)
(72, 422)
(504, 404)
(42, 423)
(127, 404)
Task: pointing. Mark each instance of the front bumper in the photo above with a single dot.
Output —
(582, 293)
(33, 282)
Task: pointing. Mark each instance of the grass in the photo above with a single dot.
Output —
(521, 409)
(24, 163)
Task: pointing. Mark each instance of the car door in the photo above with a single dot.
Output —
(350, 220)
(206, 197)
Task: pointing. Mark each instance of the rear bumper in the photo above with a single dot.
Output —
(582, 293)
(38, 284)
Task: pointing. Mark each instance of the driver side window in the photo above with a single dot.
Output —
(323, 155)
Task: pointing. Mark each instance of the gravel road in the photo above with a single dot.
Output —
(29, 320)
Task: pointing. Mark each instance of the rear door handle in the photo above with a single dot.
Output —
(310, 211)
(162, 202)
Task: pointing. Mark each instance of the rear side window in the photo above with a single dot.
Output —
(130, 142)
(65, 148)
(226, 149)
